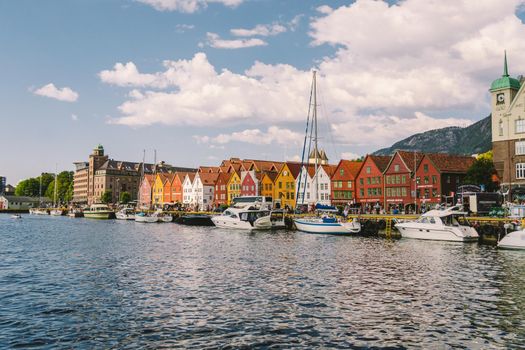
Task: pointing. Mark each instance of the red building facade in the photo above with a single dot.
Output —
(399, 181)
(370, 181)
(221, 189)
(249, 184)
(438, 177)
(343, 182)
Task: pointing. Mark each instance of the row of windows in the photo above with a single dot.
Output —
(426, 193)
(375, 180)
(343, 195)
(339, 184)
(519, 126)
(426, 179)
(395, 179)
(289, 185)
(396, 191)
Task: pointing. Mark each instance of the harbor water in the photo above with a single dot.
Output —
(87, 284)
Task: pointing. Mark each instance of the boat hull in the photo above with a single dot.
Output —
(455, 234)
(98, 215)
(334, 228)
(195, 220)
(224, 222)
(513, 240)
(146, 219)
(121, 216)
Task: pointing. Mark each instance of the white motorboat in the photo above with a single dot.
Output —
(146, 217)
(98, 211)
(512, 240)
(327, 225)
(245, 218)
(441, 225)
(38, 211)
(16, 216)
(56, 212)
(165, 217)
(125, 214)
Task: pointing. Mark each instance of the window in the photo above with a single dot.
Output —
(520, 147)
(425, 168)
(361, 181)
(368, 181)
(362, 192)
(500, 127)
(520, 171)
(368, 170)
(349, 184)
(520, 125)
(404, 191)
(341, 172)
(388, 192)
(426, 180)
(396, 167)
(403, 179)
(434, 179)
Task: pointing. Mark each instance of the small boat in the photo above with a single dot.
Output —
(126, 214)
(512, 240)
(166, 217)
(440, 225)
(75, 213)
(326, 223)
(195, 220)
(249, 218)
(98, 211)
(146, 217)
(16, 216)
(38, 211)
(56, 212)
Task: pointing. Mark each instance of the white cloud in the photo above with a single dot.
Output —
(294, 23)
(273, 135)
(187, 6)
(385, 129)
(183, 28)
(62, 94)
(396, 67)
(260, 30)
(74, 117)
(350, 156)
(215, 41)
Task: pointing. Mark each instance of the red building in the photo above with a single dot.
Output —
(438, 176)
(221, 189)
(145, 190)
(249, 183)
(370, 181)
(399, 180)
(176, 187)
(343, 180)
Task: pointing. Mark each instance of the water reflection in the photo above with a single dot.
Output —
(97, 284)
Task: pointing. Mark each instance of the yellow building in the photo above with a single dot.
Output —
(234, 186)
(284, 188)
(158, 189)
(267, 183)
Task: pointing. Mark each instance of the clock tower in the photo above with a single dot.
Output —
(506, 124)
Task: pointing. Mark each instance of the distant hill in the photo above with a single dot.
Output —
(476, 138)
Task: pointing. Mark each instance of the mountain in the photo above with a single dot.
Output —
(476, 138)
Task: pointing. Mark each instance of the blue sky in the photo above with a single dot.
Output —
(201, 80)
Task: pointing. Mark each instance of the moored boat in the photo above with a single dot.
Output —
(98, 211)
(38, 211)
(75, 213)
(195, 220)
(440, 225)
(146, 217)
(16, 216)
(56, 212)
(512, 240)
(244, 218)
(125, 214)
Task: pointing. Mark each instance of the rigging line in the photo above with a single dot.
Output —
(327, 118)
(304, 143)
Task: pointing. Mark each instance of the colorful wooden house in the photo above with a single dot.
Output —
(438, 176)
(187, 189)
(267, 183)
(344, 182)
(167, 192)
(399, 178)
(203, 187)
(234, 186)
(249, 183)
(221, 189)
(369, 182)
(176, 187)
(284, 189)
(145, 191)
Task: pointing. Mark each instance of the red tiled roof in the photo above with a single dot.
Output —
(271, 174)
(381, 162)
(329, 169)
(224, 177)
(451, 163)
(408, 158)
(209, 178)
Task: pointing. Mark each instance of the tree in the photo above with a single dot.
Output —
(481, 172)
(107, 197)
(125, 197)
(64, 187)
(29, 187)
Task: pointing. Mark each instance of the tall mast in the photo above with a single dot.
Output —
(55, 197)
(40, 192)
(315, 138)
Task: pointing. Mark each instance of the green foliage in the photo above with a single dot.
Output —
(480, 173)
(64, 187)
(107, 197)
(29, 187)
(125, 197)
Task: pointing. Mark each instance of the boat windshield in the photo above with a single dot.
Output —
(450, 221)
(426, 220)
(252, 216)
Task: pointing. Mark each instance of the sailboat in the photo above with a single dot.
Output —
(144, 216)
(56, 211)
(39, 210)
(325, 221)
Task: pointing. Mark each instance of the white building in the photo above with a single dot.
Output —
(305, 184)
(187, 189)
(18, 202)
(203, 190)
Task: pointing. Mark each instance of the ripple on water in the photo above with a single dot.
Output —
(96, 284)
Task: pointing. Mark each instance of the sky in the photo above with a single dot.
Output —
(204, 80)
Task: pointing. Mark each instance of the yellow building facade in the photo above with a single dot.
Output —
(267, 185)
(158, 189)
(284, 188)
(234, 187)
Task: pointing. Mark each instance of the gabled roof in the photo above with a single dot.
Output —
(272, 175)
(180, 175)
(209, 169)
(10, 198)
(294, 167)
(168, 178)
(381, 162)
(209, 179)
(409, 157)
(191, 176)
(149, 178)
(329, 169)
(351, 167)
(224, 177)
(450, 163)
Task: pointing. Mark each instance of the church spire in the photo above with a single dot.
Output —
(505, 68)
